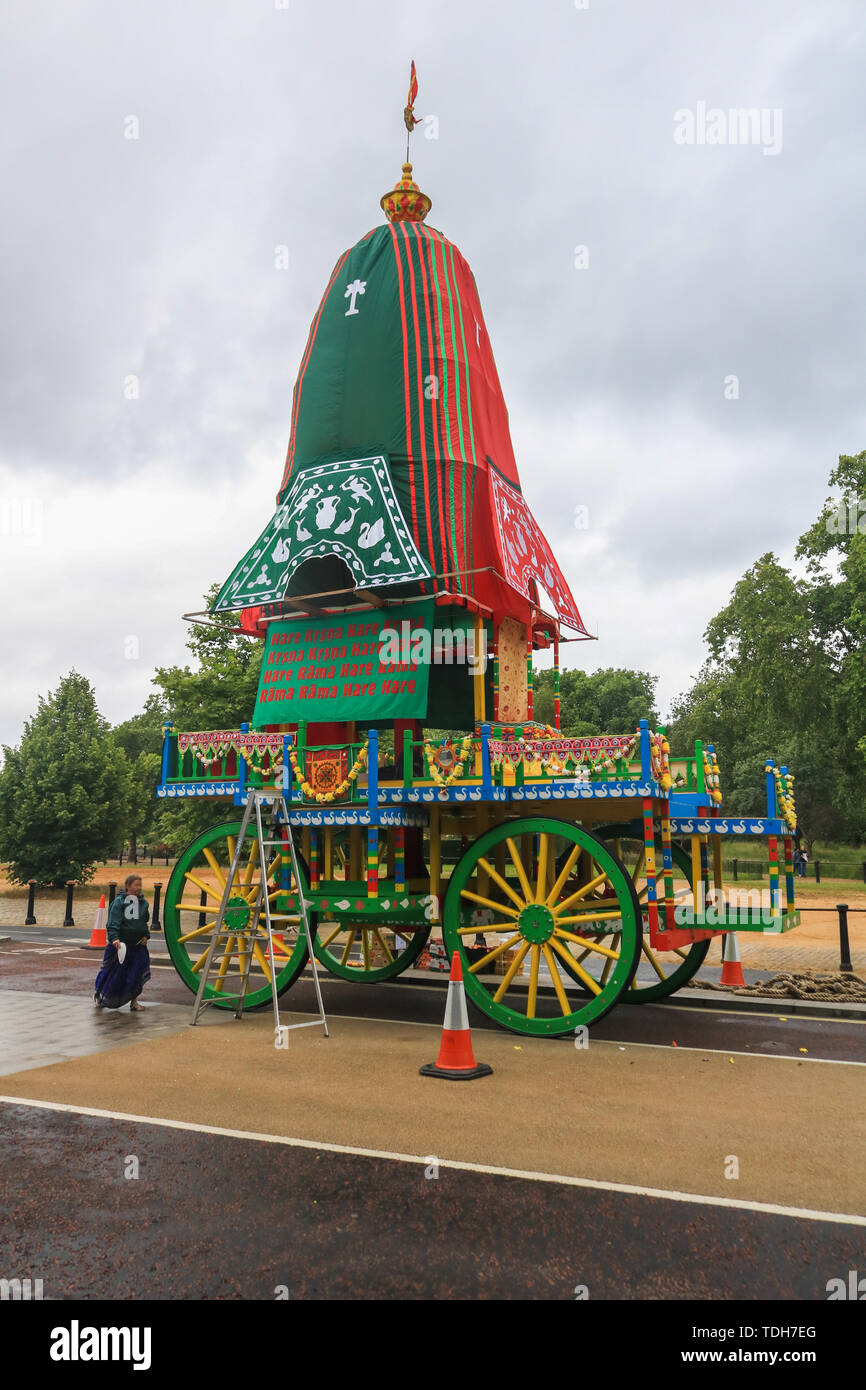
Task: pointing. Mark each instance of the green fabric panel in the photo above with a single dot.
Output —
(336, 668)
(352, 390)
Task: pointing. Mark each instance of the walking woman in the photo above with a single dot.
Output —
(126, 963)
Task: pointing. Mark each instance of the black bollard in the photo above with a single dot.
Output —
(157, 890)
(112, 893)
(735, 870)
(203, 901)
(166, 859)
(120, 859)
(30, 919)
(844, 944)
(817, 871)
(151, 858)
(69, 920)
(864, 870)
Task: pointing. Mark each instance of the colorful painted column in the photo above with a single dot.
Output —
(650, 864)
(495, 678)
(667, 867)
(399, 858)
(556, 724)
(529, 671)
(775, 895)
(788, 844)
(373, 862)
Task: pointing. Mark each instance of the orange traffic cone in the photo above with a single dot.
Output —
(456, 1060)
(732, 970)
(98, 940)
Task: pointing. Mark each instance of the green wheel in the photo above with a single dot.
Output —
(543, 894)
(671, 968)
(368, 951)
(202, 870)
(365, 951)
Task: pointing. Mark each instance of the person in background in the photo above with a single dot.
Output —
(126, 963)
(804, 859)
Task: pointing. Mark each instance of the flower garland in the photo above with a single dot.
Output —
(456, 771)
(660, 752)
(711, 776)
(785, 796)
(310, 792)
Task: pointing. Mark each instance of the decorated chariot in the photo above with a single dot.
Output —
(400, 590)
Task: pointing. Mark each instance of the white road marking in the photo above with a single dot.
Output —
(618, 1043)
(562, 1179)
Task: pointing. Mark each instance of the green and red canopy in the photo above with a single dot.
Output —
(398, 385)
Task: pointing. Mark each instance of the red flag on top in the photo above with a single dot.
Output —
(409, 115)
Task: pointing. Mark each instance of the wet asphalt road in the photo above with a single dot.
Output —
(213, 1217)
(65, 968)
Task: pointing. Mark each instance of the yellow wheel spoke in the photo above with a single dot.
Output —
(224, 964)
(521, 872)
(608, 966)
(653, 960)
(506, 887)
(586, 917)
(199, 931)
(541, 881)
(328, 939)
(564, 876)
(488, 902)
(511, 971)
(365, 946)
(232, 845)
(353, 932)
(578, 969)
(554, 974)
(491, 955)
(205, 887)
(259, 955)
(251, 864)
(533, 982)
(582, 892)
(504, 925)
(682, 954)
(585, 941)
(385, 947)
(211, 859)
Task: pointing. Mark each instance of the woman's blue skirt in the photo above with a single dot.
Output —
(118, 984)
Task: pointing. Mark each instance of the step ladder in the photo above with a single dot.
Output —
(261, 919)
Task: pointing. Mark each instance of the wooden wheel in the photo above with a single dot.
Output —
(661, 972)
(201, 872)
(549, 893)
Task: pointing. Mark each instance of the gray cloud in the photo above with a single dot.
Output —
(262, 127)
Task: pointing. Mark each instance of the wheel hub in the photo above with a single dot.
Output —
(535, 923)
(237, 914)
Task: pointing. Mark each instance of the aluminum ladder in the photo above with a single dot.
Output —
(257, 798)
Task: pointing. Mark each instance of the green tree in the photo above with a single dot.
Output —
(64, 791)
(141, 740)
(219, 692)
(608, 701)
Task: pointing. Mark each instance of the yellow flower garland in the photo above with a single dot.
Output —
(456, 771)
(310, 792)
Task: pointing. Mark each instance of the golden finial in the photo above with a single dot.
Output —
(405, 202)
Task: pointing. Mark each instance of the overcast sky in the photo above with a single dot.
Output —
(261, 125)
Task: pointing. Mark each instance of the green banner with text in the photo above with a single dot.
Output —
(349, 666)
